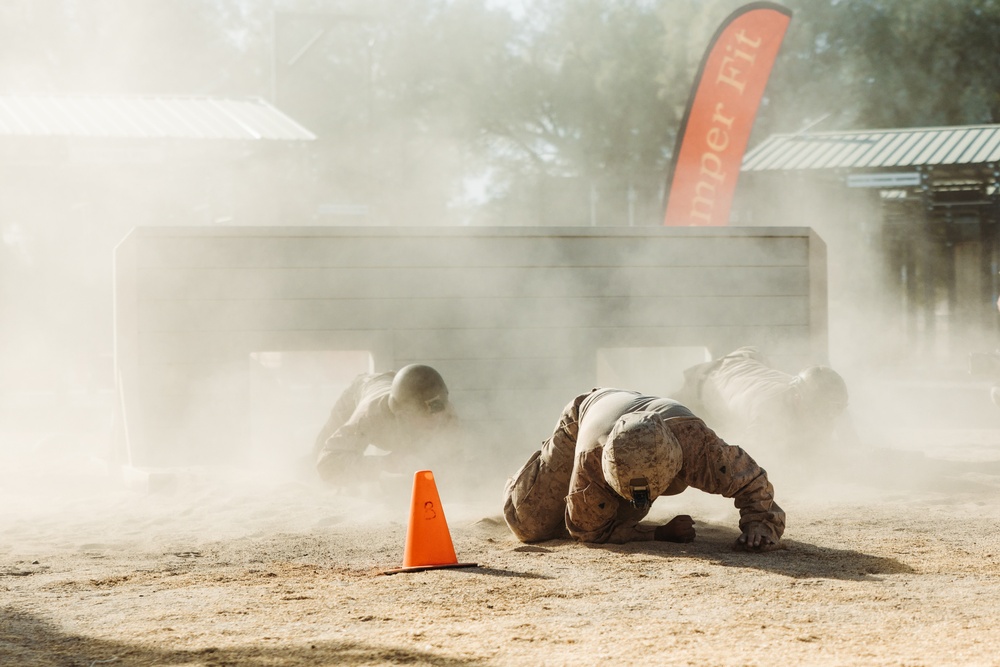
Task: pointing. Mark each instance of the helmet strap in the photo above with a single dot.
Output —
(639, 488)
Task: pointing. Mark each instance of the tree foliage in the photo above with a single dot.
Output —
(888, 63)
(437, 111)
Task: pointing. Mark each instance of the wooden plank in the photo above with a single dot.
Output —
(818, 299)
(319, 252)
(456, 282)
(393, 349)
(496, 374)
(201, 346)
(512, 317)
(430, 313)
(395, 232)
(128, 414)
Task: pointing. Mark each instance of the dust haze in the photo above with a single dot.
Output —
(68, 205)
(219, 545)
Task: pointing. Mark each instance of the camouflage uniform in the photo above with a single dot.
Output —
(561, 489)
(748, 402)
(362, 417)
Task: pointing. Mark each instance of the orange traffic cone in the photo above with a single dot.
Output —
(428, 542)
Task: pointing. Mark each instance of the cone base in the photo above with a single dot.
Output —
(419, 568)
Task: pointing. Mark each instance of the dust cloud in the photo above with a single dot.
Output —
(916, 412)
(920, 417)
(227, 548)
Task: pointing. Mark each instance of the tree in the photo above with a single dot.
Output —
(565, 114)
(887, 63)
(593, 96)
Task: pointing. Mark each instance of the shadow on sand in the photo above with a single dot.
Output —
(29, 641)
(799, 560)
(715, 542)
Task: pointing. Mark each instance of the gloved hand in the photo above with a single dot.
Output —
(678, 529)
(756, 537)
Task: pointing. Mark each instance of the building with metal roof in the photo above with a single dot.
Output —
(80, 171)
(178, 160)
(921, 202)
(907, 148)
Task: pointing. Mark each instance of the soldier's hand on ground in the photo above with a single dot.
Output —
(678, 529)
(755, 537)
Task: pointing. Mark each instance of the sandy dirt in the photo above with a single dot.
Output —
(225, 567)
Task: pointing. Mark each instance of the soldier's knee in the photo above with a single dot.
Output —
(534, 502)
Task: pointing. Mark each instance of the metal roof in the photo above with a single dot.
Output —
(146, 118)
(874, 149)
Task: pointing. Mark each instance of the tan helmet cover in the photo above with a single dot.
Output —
(418, 388)
(640, 447)
(822, 388)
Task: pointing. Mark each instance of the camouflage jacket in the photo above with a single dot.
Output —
(595, 513)
(361, 418)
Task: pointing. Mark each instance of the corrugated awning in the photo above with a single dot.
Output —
(874, 149)
(146, 118)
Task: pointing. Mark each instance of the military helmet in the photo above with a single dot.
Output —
(418, 388)
(640, 458)
(822, 389)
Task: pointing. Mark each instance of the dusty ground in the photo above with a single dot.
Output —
(230, 568)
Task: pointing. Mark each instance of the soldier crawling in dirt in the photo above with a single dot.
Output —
(613, 452)
(750, 403)
(393, 417)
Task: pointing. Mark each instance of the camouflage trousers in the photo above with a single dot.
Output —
(535, 497)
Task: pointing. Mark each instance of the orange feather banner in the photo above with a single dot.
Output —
(716, 126)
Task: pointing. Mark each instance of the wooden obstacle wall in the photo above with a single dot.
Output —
(514, 318)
